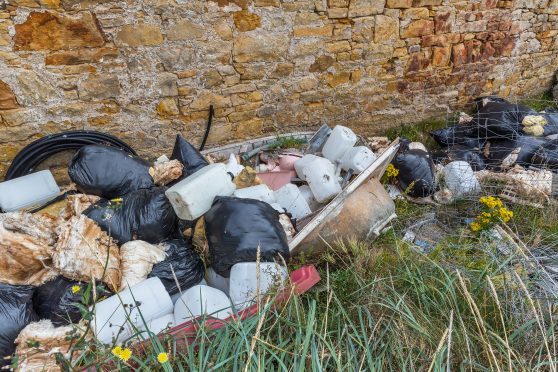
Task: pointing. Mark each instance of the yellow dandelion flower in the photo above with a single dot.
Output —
(75, 289)
(391, 171)
(162, 358)
(505, 214)
(125, 354)
(491, 202)
(117, 351)
(475, 226)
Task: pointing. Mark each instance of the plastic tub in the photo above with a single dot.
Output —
(259, 192)
(193, 196)
(303, 162)
(340, 140)
(202, 300)
(320, 175)
(290, 198)
(358, 159)
(309, 197)
(460, 179)
(217, 281)
(247, 282)
(28, 192)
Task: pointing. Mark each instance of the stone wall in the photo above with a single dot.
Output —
(147, 69)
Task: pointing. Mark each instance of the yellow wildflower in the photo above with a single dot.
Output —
(75, 289)
(391, 171)
(491, 202)
(125, 354)
(475, 226)
(116, 351)
(162, 358)
(505, 214)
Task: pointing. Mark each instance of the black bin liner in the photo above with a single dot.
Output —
(547, 155)
(235, 228)
(501, 120)
(189, 156)
(184, 262)
(16, 311)
(499, 150)
(416, 171)
(461, 153)
(459, 135)
(108, 172)
(55, 300)
(143, 214)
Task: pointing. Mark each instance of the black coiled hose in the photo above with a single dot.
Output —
(38, 151)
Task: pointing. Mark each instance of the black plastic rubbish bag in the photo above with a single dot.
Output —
(108, 172)
(462, 153)
(480, 102)
(501, 120)
(500, 150)
(551, 127)
(189, 156)
(235, 228)
(56, 300)
(16, 311)
(547, 155)
(416, 171)
(184, 262)
(142, 215)
(463, 135)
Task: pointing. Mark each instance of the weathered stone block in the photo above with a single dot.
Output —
(338, 78)
(443, 22)
(167, 107)
(386, 29)
(417, 3)
(399, 4)
(322, 63)
(459, 55)
(246, 21)
(183, 30)
(337, 12)
(137, 35)
(7, 98)
(418, 28)
(363, 8)
(441, 56)
(416, 13)
(35, 89)
(54, 31)
(99, 87)
(79, 56)
(323, 31)
(264, 46)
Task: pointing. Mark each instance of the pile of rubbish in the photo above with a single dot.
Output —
(501, 147)
(118, 246)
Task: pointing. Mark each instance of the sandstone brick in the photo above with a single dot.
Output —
(137, 35)
(99, 87)
(416, 13)
(54, 31)
(363, 8)
(264, 3)
(211, 78)
(167, 107)
(185, 91)
(340, 46)
(206, 98)
(323, 31)
(240, 88)
(338, 78)
(248, 128)
(265, 46)
(282, 70)
(337, 12)
(399, 4)
(7, 98)
(418, 61)
(441, 56)
(35, 89)
(418, 3)
(166, 85)
(246, 21)
(459, 55)
(79, 56)
(443, 22)
(223, 30)
(184, 30)
(386, 29)
(418, 28)
(322, 63)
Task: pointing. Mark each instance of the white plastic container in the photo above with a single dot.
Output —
(244, 285)
(157, 325)
(278, 207)
(177, 295)
(320, 175)
(358, 159)
(301, 163)
(148, 300)
(460, 179)
(309, 197)
(290, 198)
(340, 140)
(193, 196)
(28, 192)
(259, 192)
(199, 300)
(217, 281)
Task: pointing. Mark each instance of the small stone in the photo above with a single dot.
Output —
(399, 4)
(137, 35)
(364, 8)
(211, 78)
(459, 55)
(441, 56)
(418, 3)
(35, 90)
(324, 31)
(248, 128)
(418, 28)
(443, 22)
(79, 56)
(7, 97)
(55, 31)
(185, 30)
(246, 21)
(223, 30)
(386, 29)
(167, 107)
(322, 63)
(282, 70)
(263, 46)
(416, 13)
(99, 87)
(338, 78)
(167, 84)
(337, 13)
